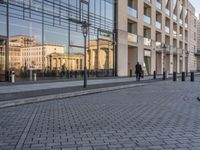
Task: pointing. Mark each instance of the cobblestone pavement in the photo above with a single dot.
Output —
(162, 115)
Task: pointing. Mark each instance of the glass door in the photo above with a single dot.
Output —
(2, 59)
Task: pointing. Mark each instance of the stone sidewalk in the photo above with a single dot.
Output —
(63, 84)
(158, 116)
(39, 92)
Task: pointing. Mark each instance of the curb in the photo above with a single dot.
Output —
(12, 103)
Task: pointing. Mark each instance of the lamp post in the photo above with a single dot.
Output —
(164, 59)
(115, 55)
(84, 29)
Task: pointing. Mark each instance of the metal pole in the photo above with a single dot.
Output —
(154, 75)
(183, 76)
(164, 62)
(174, 76)
(164, 73)
(192, 76)
(187, 65)
(85, 69)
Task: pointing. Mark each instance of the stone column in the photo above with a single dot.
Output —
(122, 43)
(153, 37)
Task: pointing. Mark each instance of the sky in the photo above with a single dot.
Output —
(196, 4)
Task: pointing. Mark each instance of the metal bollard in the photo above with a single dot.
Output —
(192, 76)
(174, 76)
(96, 73)
(131, 73)
(183, 76)
(35, 77)
(13, 78)
(164, 75)
(31, 75)
(76, 74)
(167, 74)
(88, 74)
(154, 75)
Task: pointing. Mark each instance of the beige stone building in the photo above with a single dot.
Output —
(15, 45)
(32, 56)
(198, 45)
(191, 58)
(22, 41)
(24, 51)
(157, 33)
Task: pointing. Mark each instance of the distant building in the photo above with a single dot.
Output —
(35, 57)
(25, 53)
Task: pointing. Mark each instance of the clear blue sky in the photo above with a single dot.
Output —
(196, 4)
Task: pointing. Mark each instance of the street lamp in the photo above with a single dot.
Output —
(164, 63)
(84, 29)
(115, 54)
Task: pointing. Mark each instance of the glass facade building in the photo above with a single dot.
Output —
(45, 36)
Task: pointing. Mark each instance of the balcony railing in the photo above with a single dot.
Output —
(158, 5)
(174, 33)
(175, 17)
(180, 51)
(181, 21)
(148, 1)
(167, 12)
(186, 25)
(186, 38)
(158, 25)
(147, 42)
(181, 36)
(147, 19)
(174, 50)
(132, 12)
(132, 38)
(166, 29)
(158, 44)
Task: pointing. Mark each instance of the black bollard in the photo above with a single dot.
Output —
(164, 75)
(76, 74)
(131, 73)
(154, 75)
(96, 73)
(192, 76)
(68, 75)
(183, 76)
(174, 76)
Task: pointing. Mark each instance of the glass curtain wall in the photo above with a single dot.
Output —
(3, 40)
(45, 37)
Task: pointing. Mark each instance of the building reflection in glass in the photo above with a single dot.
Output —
(42, 37)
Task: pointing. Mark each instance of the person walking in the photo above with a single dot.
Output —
(138, 71)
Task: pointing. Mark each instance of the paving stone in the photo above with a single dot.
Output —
(161, 115)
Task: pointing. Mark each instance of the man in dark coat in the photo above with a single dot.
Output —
(138, 71)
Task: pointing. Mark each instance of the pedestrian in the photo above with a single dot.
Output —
(138, 71)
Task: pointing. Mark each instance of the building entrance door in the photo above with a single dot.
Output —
(2, 59)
